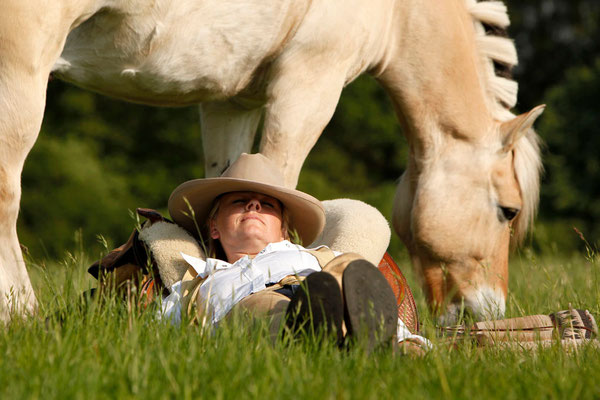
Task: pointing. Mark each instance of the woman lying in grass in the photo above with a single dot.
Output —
(249, 218)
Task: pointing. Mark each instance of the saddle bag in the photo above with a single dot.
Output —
(149, 261)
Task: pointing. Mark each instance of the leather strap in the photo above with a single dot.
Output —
(323, 255)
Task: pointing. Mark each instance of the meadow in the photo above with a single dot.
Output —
(118, 350)
(96, 158)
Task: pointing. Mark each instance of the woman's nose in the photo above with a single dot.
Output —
(253, 204)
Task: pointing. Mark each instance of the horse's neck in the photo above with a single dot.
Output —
(433, 73)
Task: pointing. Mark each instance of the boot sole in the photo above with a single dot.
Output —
(370, 305)
(316, 307)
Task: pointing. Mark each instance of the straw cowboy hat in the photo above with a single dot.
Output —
(253, 173)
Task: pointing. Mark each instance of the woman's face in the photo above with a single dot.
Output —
(246, 222)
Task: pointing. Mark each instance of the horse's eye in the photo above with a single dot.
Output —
(509, 212)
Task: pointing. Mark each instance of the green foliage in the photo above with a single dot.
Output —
(572, 182)
(551, 37)
(67, 187)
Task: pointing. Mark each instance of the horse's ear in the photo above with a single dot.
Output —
(513, 130)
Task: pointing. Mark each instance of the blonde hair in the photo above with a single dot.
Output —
(214, 248)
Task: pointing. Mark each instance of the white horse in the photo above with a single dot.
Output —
(473, 174)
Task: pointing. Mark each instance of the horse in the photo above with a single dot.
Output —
(472, 181)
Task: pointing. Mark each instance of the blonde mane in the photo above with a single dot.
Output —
(499, 52)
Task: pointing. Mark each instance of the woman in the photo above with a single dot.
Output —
(249, 216)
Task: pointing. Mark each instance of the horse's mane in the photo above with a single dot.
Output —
(499, 57)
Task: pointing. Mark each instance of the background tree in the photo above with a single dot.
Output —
(571, 190)
(551, 36)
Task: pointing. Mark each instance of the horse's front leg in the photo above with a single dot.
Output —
(22, 98)
(228, 130)
(303, 95)
(32, 35)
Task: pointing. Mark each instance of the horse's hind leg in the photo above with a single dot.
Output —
(228, 130)
(302, 100)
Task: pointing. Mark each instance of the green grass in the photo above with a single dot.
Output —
(118, 352)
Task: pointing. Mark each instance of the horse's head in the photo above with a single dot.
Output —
(457, 208)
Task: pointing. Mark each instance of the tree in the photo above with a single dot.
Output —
(551, 37)
(571, 188)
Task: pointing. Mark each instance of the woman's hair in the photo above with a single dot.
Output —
(214, 248)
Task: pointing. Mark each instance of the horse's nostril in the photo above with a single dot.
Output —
(509, 212)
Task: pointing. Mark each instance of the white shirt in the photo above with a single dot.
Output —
(227, 284)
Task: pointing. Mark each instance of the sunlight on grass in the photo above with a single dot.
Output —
(115, 350)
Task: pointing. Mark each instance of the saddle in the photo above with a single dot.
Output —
(151, 262)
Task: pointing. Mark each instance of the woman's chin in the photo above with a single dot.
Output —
(257, 242)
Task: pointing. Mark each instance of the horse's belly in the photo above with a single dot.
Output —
(160, 84)
(180, 55)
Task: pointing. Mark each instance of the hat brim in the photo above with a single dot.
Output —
(306, 213)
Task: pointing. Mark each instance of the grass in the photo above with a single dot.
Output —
(115, 351)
